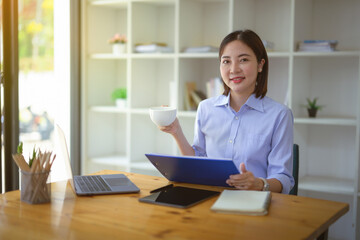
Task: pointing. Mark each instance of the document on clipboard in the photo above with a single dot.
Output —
(196, 170)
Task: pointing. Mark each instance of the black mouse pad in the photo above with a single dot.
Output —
(180, 197)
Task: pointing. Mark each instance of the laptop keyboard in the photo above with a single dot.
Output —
(92, 184)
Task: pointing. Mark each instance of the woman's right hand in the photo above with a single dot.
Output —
(173, 128)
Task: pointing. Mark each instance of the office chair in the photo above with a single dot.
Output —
(294, 190)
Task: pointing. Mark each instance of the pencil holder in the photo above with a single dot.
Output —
(34, 187)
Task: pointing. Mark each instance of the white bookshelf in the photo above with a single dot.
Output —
(329, 144)
(327, 121)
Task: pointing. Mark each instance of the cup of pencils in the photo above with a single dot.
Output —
(34, 176)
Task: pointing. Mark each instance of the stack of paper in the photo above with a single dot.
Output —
(317, 46)
(153, 48)
(243, 202)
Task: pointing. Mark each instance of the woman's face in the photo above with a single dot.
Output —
(239, 68)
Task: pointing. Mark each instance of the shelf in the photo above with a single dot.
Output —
(216, 55)
(108, 56)
(278, 54)
(122, 4)
(140, 111)
(327, 121)
(132, 55)
(145, 111)
(153, 55)
(326, 185)
(156, 2)
(108, 109)
(143, 166)
(187, 114)
(111, 160)
(328, 54)
(170, 55)
(199, 55)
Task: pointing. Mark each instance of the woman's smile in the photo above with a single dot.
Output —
(237, 79)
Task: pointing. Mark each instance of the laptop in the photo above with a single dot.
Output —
(95, 184)
(192, 169)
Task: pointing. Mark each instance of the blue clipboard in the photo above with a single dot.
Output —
(196, 170)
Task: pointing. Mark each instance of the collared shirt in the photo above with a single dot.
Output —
(260, 135)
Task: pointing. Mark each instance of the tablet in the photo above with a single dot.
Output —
(180, 197)
(196, 170)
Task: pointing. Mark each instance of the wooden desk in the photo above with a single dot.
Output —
(123, 216)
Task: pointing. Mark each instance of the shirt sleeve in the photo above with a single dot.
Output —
(280, 158)
(199, 137)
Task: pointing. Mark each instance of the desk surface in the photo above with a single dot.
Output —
(123, 216)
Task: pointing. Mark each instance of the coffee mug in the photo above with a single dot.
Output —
(162, 116)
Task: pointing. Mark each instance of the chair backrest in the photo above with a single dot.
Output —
(294, 190)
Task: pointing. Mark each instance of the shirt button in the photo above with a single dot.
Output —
(230, 141)
(237, 118)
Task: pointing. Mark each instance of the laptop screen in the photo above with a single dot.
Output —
(63, 151)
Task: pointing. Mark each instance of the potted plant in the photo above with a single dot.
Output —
(119, 95)
(312, 107)
(118, 42)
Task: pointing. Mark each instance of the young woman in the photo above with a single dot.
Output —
(243, 124)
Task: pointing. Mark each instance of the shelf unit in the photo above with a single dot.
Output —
(118, 138)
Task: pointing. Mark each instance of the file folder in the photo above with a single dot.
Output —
(196, 170)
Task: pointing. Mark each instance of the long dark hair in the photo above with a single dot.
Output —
(253, 41)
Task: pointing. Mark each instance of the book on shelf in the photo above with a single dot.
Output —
(317, 45)
(192, 96)
(197, 96)
(214, 87)
(243, 202)
(190, 104)
(153, 48)
(201, 49)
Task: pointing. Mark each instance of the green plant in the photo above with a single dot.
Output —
(119, 93)
(312, 104)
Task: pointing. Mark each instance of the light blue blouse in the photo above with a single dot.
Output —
(260, 135)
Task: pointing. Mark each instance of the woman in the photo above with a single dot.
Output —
(243, 124)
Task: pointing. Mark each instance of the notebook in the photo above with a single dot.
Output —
(196, 170)
(243, 202)
(94, 184)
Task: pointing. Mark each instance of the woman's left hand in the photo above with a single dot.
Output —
(245, 180)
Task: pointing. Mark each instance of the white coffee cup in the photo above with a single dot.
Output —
(162, 116)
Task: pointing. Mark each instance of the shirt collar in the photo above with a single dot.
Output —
(255, 103)
(222, 100)
(252, 102)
